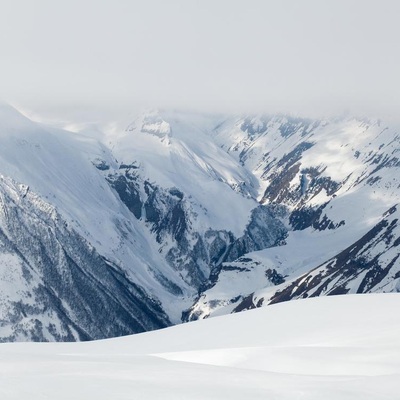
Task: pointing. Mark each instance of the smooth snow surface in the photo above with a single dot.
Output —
(343, 347)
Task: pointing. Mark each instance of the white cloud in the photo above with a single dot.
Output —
(306, 57)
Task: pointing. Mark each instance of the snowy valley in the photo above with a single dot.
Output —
(199, 200)
(177, 216)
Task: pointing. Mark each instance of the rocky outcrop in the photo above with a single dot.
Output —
(55, 286)
(196, 255)
(371, 264)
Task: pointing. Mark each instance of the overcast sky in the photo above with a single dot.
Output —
(308, 57)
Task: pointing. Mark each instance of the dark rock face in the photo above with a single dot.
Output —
(288, 126)
(365, 266)
(274, 277)
(297, 126)
(245, 304)
(305, 217)
(252, 129)
(264, 230)
(289, 182)
(168, 216)
(70, 291)
(311, 183)
(285, 171)
(317, 169)
(101, 165)
(129, 194)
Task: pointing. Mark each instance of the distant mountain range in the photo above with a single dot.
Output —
(179, 216)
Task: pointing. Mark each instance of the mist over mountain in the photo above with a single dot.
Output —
(199, 199)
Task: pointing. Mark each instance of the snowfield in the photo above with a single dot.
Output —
(339, 347)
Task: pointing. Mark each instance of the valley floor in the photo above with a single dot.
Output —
(340, 347)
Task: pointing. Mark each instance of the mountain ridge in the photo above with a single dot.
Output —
(205, 215)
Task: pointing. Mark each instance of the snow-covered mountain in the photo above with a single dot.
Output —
(178, 216)
(54, 282)
(339, 180)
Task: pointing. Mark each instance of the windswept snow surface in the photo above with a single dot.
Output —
(341, 347)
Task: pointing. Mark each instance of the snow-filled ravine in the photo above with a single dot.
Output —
(339, 347)
(170, 217)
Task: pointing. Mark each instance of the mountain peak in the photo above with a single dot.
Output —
(12, 119)
(155, 125)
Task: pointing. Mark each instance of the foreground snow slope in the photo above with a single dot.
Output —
(341, 347)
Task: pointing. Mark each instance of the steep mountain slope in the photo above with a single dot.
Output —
(191, 196)
(337, 178)
(57, 167)
(180, 216)
(343, 347)
(155, 233)
(53, 282)
(368, 265)
(195, 199)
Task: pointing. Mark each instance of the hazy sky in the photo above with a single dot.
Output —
(308, 57)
